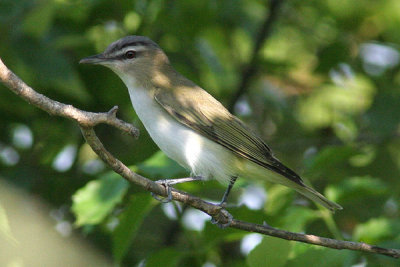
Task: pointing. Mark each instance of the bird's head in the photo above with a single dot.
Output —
(131, 55)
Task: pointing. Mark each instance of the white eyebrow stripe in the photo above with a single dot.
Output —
(137, 48)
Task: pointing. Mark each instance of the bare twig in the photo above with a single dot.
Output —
(87, 120)
(251, 67)
(84, 118)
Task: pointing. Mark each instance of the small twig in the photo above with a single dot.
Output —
(87, 120)
(313, 239)
(250, 69)
(84, 118)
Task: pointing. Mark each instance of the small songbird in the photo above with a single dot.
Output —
(189, 125)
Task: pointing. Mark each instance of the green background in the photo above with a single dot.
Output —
(323, 92)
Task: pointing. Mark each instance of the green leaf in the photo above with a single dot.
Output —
(330, 158)
(332, 104)
(39, 20)
(318, 256)
(132, 21)
(279, 197)
(374, 230)
(93, 202)
(356, 187)
(381, 115)
(160, 165)
(271, 252)
(167, 257)
(57, 72)
(130, 220)
(296, 218)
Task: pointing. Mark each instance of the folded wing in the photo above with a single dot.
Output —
(205, 115)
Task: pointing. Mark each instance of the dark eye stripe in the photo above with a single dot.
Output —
(123, 56)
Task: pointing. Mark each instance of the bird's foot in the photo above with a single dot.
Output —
(223, 219)
(167, 184)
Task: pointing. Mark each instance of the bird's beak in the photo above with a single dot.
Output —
(96, 59)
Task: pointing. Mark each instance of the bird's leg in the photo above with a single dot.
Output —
(228, 190)
(223, 205)
(167, 184)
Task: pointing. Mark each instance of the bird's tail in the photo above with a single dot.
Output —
(317, 197)
(253, 170)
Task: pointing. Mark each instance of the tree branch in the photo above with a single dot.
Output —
(250, 69)
(87, 121)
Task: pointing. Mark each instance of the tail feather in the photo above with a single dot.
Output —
(317, 197)
(253, 170)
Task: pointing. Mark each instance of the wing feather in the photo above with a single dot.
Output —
(205, 115)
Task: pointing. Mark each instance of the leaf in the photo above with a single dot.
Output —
(279, 198)
(296, 218)
(332, 104)
(55, 70)
(93, 202)
(130, 220)
(332, 55)
(271, 252)
(160, 165)
(383, 115)
(214, 235)
(318, 256)
(167, 257)
(39, 20)
(330, 164)
(356, 187)
(374, 230)
(330, 157)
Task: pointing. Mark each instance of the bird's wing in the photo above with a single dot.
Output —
(205, 115)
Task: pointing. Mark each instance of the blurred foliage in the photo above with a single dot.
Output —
(325, 96)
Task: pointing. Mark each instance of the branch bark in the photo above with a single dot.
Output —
(88, 120)
(250, 69)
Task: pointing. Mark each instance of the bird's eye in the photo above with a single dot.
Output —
(130, 54)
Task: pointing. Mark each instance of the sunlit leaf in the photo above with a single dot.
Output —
(332, 104)
(132, 21)
(93, 202)
(373, 231)
(366, 156)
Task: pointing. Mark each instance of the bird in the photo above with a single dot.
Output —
(190, 126)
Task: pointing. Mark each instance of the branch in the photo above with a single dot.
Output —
(250, 69)
(87, 121)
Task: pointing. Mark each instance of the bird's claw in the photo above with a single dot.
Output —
(167, 186)
(223, 204)
(225, 215)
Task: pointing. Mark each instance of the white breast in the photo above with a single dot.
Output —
(198, 154)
